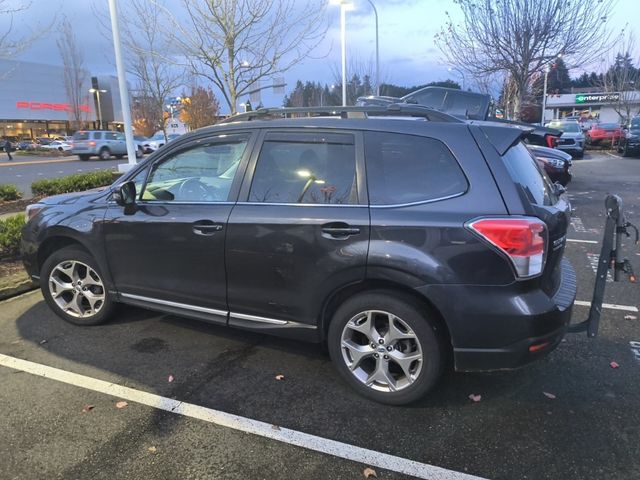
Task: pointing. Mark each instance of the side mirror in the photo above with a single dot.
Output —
(559, 188)
(125, 194)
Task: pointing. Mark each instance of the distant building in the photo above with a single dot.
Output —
(592, 105)
(34, 103)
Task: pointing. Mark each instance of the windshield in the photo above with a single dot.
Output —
(608, 126)
(157, 136)
(635, 123)
(569, 127)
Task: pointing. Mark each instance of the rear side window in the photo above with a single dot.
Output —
(97, 135)
(111, 136)
(81, 136)
(306, 168)
(526, 173)
(408, 169)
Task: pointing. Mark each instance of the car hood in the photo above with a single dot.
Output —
(572, 135)
(75, 197)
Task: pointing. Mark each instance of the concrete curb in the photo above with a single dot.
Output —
(21, 288)
(37, 162)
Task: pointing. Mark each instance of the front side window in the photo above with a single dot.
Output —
(203, 173)
(405, 169)
(306, 168)
(111, 136)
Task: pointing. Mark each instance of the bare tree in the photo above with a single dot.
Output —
(519, 37)
(151, 59)
(10, 46)
(235, 44)
(75, 76)
(622, 80)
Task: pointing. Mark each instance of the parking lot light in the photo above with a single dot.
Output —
(345, 5)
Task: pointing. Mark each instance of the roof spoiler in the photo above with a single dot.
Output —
(503, 138)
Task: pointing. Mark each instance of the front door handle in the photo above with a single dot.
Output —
(206, 227)
(339, 230)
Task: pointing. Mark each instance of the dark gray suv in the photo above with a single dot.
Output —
(401, 236)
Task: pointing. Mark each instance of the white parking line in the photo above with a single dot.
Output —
(235, 422)
(575, 240)
(611, 306)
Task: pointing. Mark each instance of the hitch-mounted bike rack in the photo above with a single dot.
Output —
(616, 225)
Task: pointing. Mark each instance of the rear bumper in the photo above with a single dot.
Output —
(495, 327)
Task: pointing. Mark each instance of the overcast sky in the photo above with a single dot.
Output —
(408, 55)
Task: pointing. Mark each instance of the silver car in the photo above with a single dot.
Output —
(572, 139)
(101, 143)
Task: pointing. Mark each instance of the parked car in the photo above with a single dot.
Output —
(400, 242)
(572, 139)
(27, 144)
(144, 142)
(556, 163)
(608, 132)
(101, 143)
(630, 140)
(158, 140)
(44, 141)
(58, 145)
(465, 105)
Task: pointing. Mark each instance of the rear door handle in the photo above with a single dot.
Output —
(206, 227)
(339, 230)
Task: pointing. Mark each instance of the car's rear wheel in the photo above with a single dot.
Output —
(74, 288)
(105, 154)
(386, 347)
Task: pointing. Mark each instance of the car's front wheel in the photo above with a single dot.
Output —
(105, 154)
(386, 346)
(74, 288)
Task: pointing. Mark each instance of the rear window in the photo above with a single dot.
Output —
(81, 136)
(405, 169)
(526, 173)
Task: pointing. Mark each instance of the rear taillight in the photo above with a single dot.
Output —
(92, 144)
(551, 141)
(523, 240)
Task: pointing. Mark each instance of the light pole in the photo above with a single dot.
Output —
(98, 91)
(451, 69)
(544, 94)
(344, 6)
(375, 11)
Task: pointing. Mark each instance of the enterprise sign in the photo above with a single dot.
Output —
(62, 107)
(597, 97)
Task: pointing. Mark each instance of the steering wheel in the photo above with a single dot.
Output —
(193, 190)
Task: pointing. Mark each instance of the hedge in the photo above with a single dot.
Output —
(10, 234)
(73, 183)
(9, 192)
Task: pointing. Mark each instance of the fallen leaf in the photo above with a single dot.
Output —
(549, 395)
(121, 404)
(152, 449)
(475, 398)
(171, 378)
(369, 472)
(87, 408)
(42, 342)
(279, 377)
(630, 317)
(16, 342)
(614, 365)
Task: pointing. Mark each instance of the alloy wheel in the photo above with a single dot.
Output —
(381, 351)
(77, 289)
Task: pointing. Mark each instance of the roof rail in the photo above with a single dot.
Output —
(392, 110)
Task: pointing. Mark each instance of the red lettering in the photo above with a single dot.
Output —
(63, 107)
(85, 108)
(22, 104)
(36, 106)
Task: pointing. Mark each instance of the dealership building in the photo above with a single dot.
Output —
(595, 105)
(34, 101)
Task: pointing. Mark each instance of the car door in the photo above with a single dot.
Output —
(120, 144)
(170, 250)
(300, 231)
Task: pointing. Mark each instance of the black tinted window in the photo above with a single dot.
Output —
(111, 136)
(305, 168)
(81, 136)
(408, 168)
(525, 172)
(97, 135)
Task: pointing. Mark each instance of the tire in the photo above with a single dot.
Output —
(105, 153)
(60, 149)
(86, 303)
(625, 151)
(376, 365)
(139, 152)
(84, 158)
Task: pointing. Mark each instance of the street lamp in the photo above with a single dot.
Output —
(375, 11)
(451, 69)
(98, 91)
(344, 6)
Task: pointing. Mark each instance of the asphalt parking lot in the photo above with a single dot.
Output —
(571, 415)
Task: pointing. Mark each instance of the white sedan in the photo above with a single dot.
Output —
(58, 145)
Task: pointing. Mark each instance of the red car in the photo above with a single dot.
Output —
(608, 132)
